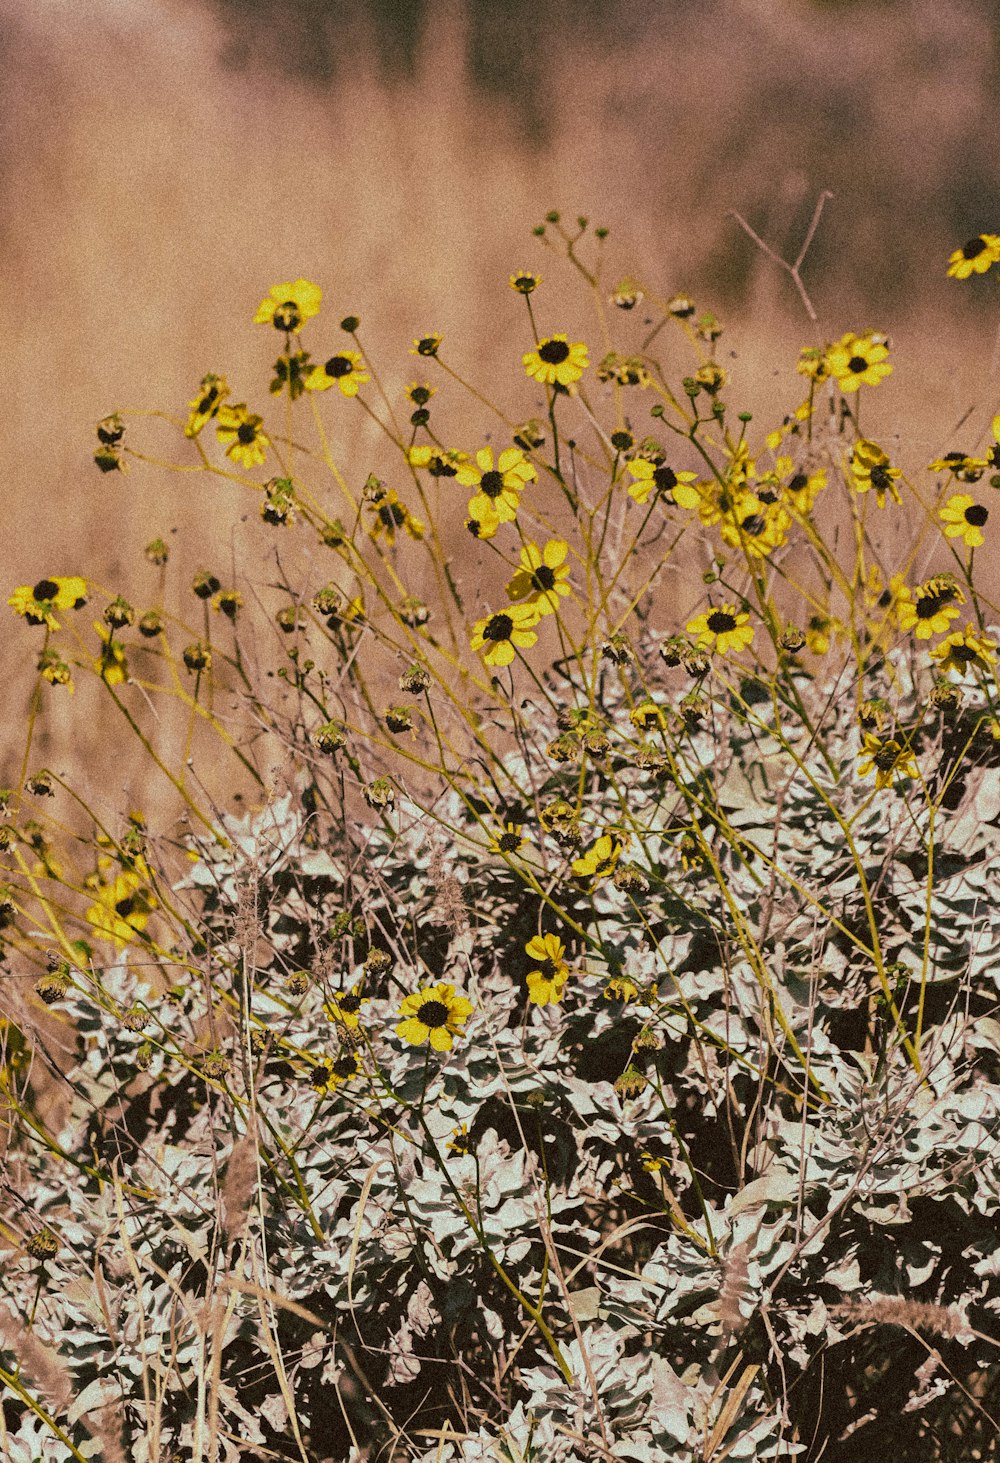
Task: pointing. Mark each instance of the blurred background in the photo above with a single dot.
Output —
(163, 162)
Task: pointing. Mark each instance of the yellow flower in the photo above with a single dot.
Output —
(658, 478)
(512, 627)
(648, 717)
(327, 1076)
(547, 979)
(887, 758)
(975, 257)
(241, 433)
(621, 988)
(111, 665)
(964, 518)
(964, 651)
(499, 487)
(813, 363)
(509, 839)
(392, 513)
(345, 370)
(870, 469)
(802, 489)
(345, 1006)
(542, 576)
(427, 345)
(122, 908)
(525, 282)
(214, 390)
(600, 858)
(484, 526)
(818, 633)
(754, 526)
(555, 362)
(288, 306)
(435, 1015)
(722, 629)
(440, 462)
(37, 602)
(928, 609)
(858, 360)
(55, 670)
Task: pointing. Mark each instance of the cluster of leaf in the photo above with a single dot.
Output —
(732, 1197)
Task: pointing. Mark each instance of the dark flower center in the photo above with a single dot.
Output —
(286, 316)
(553, 352)
(509, 842)
(433, 1014)
(754, 524)
(929, 604)
(976, 515)
(349, 1003)
(346, 1067)
(881, 479)
(428, 346)
(246, 433)
(665, 478)
(543, 578)
(963, 653)
(45, 589)
(547, 968)
(719, 621)
(857, 364)
(492, 484)
(498, 628)
(125, 907)
(393, 515)
(973, 248)
(886, 758)
(797, 483)
(338, 366)
(207, 401)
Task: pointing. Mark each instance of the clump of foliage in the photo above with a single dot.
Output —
(586, 1044)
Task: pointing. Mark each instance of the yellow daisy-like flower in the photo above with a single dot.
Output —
(887, 758)
(499, 487)
(440, 462)
(542, 576)
(600, 858)
(813, 363)
(509, 839)
(621, 988)
(525, 282)
(345, 1006)
(754, 526)
(111, 665)
(392, 513)
(975, 257)
(504, 633)
(433, 1015)
(928, 609)
(722, 629)
(214, 390)
(289, 306)
(38, 602)
(427, 345)
(547, 980)
(328, 1075)
(966, 469)
(858, 360)
(802, 489)
(555, 362)
(346, 370)
(122, 908)
(964, 518)
(663, 481)
(242, 434)
(965, 650)
(870, 470)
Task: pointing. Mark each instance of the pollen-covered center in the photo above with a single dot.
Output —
(498, 627)
(338, 366)
(287, 316)
(719, 621)
(553, 352)
(543, 578)
(976, 515)
(509, 842)
(433, 1014)
(492, 484)
(857, 364)
(349, 1003)
(346, 1067)
(973, 248)
(45, 589)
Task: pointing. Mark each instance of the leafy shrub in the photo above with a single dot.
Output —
(586, 1044)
